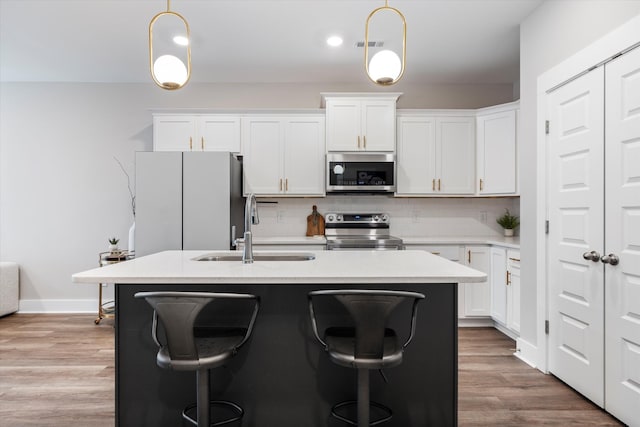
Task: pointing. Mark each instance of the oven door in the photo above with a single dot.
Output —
(360, 172)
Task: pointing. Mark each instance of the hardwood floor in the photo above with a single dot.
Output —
(58, 370)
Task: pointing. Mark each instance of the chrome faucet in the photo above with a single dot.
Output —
(250, 217)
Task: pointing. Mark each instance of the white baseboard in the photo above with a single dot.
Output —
(470, 322)
(58, 306)
(526, 352)
(508, 332)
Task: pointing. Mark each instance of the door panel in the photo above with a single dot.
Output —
(576, 215)
(623, 237)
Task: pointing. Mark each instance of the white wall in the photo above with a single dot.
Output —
(62, 195)
(552, 33)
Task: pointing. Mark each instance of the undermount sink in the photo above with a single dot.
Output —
(260, 256)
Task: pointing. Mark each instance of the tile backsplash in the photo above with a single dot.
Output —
(410, 217)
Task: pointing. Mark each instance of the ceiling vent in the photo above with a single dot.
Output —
(371, 44)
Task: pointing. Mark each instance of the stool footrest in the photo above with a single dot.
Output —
(239, 412)
(385, 409)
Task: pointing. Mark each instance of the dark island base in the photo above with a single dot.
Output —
(282, 377)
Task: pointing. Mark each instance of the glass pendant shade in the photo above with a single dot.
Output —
(169, 50)
(386, 67)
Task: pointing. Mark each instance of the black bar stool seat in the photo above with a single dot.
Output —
(191, 348)
(368, 345)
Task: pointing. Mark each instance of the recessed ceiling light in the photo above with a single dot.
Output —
(181, 40)
(334, 41)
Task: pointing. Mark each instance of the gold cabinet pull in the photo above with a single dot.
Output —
(286, 184)
(508, 278)
(433, 184)
(358, 141)
(202, 143)
(190, 143)
(514, 259)
(436, 253)
(364, 138)
(469, 256)
(438, 184)
(280, 184)
(481, 184)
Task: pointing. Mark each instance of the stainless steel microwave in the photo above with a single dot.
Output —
(361, 173)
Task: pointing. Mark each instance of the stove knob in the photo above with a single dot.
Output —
(385, 218)
(376, 218)
(339, 218)
(330, 218)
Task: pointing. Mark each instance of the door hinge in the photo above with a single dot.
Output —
(546, 327)
(546, 227)
(546, 127)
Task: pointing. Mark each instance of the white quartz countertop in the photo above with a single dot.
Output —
(508, 242)
(342, 267)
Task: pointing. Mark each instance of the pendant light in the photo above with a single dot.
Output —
(169, 50)
(386, 67)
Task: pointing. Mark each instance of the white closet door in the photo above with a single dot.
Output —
(576, 214)
(622, 214)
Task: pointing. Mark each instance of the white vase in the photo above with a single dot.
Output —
(132, 238)
(113, 247)
(508, 232)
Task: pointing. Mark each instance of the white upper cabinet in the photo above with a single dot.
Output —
(416, 156)
(199, 132)
(496, 141)
(284, 156)
(436, 155)
(455, 151)
(361, 123)
(173, 132)
(218, 132)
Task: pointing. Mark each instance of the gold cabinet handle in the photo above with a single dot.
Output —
(469, 256)
(280, 184)
(190, 143)
(514, 259)
(286, 184)
(438, 184)
(508, 278)
(481, 184)
(202, 143)
(364, 138)
(358, 141)
(433, 184)
(436, 253)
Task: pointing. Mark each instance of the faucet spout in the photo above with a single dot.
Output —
(250, 217)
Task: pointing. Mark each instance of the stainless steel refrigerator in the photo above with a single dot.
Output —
(187, 201)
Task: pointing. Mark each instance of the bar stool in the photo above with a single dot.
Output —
(191, 349)
(366, 346)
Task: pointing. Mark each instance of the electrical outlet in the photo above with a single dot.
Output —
(280, 216)
(483, 217)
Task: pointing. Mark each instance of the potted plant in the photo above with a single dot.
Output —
(508, 222)
(113, 244)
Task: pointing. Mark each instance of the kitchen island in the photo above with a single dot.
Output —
(282, 377)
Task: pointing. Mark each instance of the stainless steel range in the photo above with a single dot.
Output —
(369, 231)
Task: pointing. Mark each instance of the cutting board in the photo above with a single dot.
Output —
(315, 223)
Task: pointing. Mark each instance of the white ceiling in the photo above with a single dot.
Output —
(258, 41)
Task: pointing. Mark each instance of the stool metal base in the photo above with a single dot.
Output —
(340, 405)
(232, 406)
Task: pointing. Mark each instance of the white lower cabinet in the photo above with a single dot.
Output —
(477, 296)
(499, 282)
(513, 290)
(505, 288)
